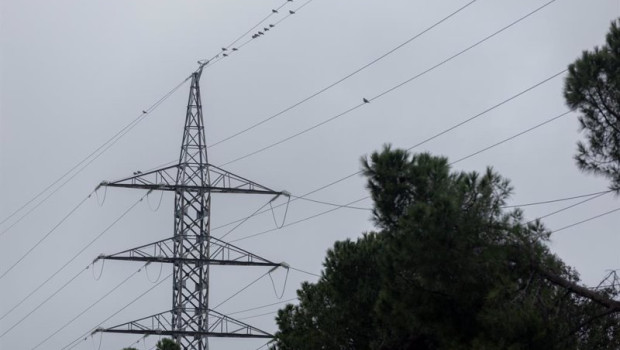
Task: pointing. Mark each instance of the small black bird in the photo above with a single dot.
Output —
(144, 112)
(274, 11)
(225, 55)
(261, 33)
(234, 49)
(272, 25)
(266, 29)
(291, 12)
(224, 49)
(366, 100)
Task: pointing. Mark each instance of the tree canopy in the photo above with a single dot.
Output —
(593, 88)
(167, 344)
(450, 268)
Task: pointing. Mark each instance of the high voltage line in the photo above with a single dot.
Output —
(74, 256)
(346, 77)
(394, 88)
(434, 136)
(94, 155)
(89, 307)
(468, 157)
(366, 197)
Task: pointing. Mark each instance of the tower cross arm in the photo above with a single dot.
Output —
(220, 253)
(166, 179)
(161, 324)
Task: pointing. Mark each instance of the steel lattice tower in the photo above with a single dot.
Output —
(191, 250)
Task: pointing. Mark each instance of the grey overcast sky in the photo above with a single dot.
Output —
(74, 72)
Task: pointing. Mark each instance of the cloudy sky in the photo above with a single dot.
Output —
(74, 73)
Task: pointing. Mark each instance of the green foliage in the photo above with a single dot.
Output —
(449, 270)
(167, 344)
(593, 88)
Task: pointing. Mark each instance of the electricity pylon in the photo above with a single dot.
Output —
(192, 250)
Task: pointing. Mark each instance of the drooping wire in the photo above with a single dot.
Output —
(319, 92)
(90, 306)
(96, 154)
(97, 278)
(273, 214)
(100, 342)
(76, 341)
(105, 195)
(74, 257)
(161, 196)
(366, 101)
(273, 284)
(146, 271)
(64, 218)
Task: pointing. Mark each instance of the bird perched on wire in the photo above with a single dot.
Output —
(365, 100)
(291, 12)
(274, 11)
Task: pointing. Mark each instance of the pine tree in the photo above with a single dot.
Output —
(593, 88)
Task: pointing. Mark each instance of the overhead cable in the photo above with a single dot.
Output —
(366, 197)
(586, 220)
(89, 307)
(366, 101)
(74, 256)
(319, 92)
(86, 161)
(77, 341)
(64, 218)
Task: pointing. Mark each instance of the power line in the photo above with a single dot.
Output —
(298, 221)
(351, 109)
(89, 307)
(226, 51)
(586, 220)
(366, 197)
(259, 315)
(343, 78)
(513, 136)
(75, 342)
(568, 207)
(44, 301)
(522, 92)
(555, 200)
(241, 290)
(46, 235)
(262, 307)
(332, 204)
(92, 156)
(306, 272)
(75, 256)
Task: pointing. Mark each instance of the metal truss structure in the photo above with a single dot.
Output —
(191, 250)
